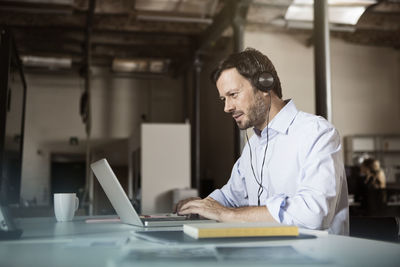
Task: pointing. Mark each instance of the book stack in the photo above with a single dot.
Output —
(221, 230)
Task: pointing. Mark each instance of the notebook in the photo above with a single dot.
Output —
(239, 229)
(123, 206)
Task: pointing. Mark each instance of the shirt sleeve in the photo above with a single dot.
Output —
(313, 204)
(234, 192)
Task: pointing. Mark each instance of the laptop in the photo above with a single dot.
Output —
(123, 206)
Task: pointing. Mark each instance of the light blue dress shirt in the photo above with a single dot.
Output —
(303, 176)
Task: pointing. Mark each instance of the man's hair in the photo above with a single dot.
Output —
(248, 63)
(369, 163)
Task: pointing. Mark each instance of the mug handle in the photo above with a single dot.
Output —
(76, 203)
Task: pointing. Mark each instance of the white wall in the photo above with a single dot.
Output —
(365, 80)
(118, 103)
(51, 118)
(365, 89)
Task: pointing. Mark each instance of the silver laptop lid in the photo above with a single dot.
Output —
(115, 192)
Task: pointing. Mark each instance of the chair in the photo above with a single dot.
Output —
(378, 228)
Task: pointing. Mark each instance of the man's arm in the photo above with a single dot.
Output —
(211, 209)
(320, 188)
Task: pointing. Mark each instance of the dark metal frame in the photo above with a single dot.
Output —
(8, 55)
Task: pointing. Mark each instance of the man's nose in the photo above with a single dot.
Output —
(229, 107)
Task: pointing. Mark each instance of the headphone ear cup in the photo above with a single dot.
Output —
(265, 81)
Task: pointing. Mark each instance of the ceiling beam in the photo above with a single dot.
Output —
(386, 8)
(128, 23)
(111, 36)
(38, 7)
(142, 51)
(371, 37)
(38, 50)
(378, 21)
(100, 23)
(62, 49)
(12, 18)
(221, 21)
(264, 14)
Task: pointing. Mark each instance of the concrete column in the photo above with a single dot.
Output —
(322, 60)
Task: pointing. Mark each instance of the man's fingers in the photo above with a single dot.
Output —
(190, 210)
(192, 203)
(194, 206)
(181, 203)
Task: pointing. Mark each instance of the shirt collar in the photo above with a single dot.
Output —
(282, 120)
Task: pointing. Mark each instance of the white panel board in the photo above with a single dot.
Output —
(363, 144)
(165, 164)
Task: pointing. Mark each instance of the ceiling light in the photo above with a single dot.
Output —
(47, 62)
(157, 66)
(340, 11)
(202, 8)
(140, 65)
(129, 65)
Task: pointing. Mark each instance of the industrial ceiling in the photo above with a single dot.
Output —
(170, 30)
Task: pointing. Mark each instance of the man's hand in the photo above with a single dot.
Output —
(179, 205)
(208, 208)
(211, 209)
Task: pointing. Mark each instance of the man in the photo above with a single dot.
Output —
(290, 171)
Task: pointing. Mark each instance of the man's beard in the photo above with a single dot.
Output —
(256, 114)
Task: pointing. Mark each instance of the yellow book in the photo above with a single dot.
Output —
(217, 230)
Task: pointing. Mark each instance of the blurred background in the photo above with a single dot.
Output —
(97, 73)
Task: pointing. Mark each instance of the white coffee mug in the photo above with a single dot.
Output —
(65, 205)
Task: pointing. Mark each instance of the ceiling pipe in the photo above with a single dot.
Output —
(174, 19)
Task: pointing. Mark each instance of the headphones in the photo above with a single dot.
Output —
(264, 81)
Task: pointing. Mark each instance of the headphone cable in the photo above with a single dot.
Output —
(260, 188)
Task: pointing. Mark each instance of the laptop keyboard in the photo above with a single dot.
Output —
(171, 218)
(181, 218)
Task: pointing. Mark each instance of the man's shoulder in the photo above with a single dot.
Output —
(311, 123)
(312, 129)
